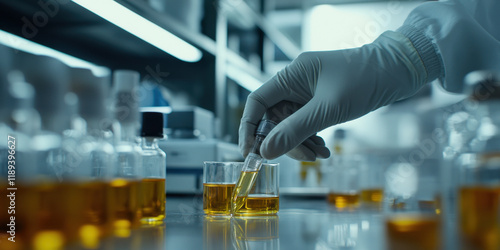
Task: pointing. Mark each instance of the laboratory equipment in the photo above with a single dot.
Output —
(21, 122)
(219, 181)
(190, 142)
(343, 180)
(48, 204)
(372, 182)
(251, 166)
(185, 162)
(154, 168)
(473, 182)
(190, 122)
(125, 188)
(263, 197)
(412, 221)
(92, 92)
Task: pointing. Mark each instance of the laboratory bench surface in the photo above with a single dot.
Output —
(300, 224)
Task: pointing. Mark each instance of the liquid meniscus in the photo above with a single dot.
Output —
(259, 205)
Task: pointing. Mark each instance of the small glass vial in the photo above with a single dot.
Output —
(154, 168)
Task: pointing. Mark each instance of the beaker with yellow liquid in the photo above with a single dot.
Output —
(219, 181)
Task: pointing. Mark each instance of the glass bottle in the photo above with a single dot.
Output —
(125, 187)
(92, 94)
(154, 168)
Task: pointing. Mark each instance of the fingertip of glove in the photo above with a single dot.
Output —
(323, 153)
(269, 151)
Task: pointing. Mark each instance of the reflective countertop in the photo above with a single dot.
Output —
(300, 224)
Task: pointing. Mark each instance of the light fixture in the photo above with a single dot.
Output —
(142, 28)
(243, 78)
(28, 46)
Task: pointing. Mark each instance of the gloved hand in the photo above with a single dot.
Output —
(321, 89)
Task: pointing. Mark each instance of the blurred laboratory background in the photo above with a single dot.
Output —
(84, 85)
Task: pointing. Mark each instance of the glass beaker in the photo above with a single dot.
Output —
(263, 198)
(219, 181)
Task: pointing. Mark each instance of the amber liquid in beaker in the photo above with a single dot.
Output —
(260, 205)
(479, 213)
(217, 198)
(125, 196)
(153, 200)
(344, 200)
(417, 232)
(372, 196)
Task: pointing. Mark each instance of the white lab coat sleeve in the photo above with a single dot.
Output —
(454, 38)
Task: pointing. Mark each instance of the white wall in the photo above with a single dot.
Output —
(329, 27)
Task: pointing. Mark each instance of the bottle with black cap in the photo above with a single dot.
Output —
(154, 168)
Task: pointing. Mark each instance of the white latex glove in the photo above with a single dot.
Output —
(321, 89)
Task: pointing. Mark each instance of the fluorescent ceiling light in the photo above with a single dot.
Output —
(142, 28)
(28, 46)
(241, 77)
(163, 109)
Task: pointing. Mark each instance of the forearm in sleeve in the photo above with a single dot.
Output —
(454, 38)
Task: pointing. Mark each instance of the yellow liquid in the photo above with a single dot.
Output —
(260, 205)
(479, 213)
(342, 200)
(413, 233)
(96, 213)
(125, 205)
(243, 187)
(372, 196)
(217, 198)
(153, 199)
(53, 212)
(51, 215)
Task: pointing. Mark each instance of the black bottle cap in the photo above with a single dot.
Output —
(152, 124)
(265, 126)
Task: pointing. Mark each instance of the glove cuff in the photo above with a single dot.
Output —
(426, 50)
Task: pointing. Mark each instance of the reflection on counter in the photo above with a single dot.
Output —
(241, 233)
(147, 237)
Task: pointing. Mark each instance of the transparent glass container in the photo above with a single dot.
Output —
(153, 182)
